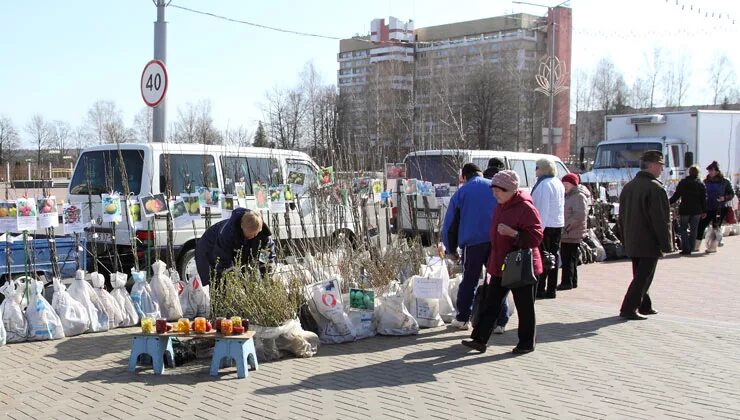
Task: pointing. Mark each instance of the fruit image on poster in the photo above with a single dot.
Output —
(26, 214)
(277, 199)
(72, 219)
(154, 204)
(395, 170)
(48, 213)
(296, 178)
(288, 194)
(409, 186)
(361, 186)
(227, 206)
(240, 189)
(179, 213)
(361, 299)
(192, 205)
(209, 197)
(261, 196)
(134, 213)
(111, 204)
(8, 216)
(325, 176)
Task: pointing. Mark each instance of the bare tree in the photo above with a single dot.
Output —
(284, 112)
(195, 125)
(721, 78)
(640, 93)
(654, 66)
(61, 138)
(8, 139)
(239, 136)
(142, 129)
(606, 82)
(104, 123)
(40, 133)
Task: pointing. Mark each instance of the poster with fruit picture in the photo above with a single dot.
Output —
(409, 186)
(26, 214)
(325, 176)
(395, 170)
(135, 215)
(209, 197)
(179, 213)
(376, 187)
(192, 205)
(261, 196)
(72, 219)
(48, 213)
(111, 208)
(154, 204)
(277, 199)
(8, 216)
(227, 205)
(361, 186)
(240, 189)
(288, 194)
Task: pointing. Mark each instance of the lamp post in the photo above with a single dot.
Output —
(550, 92)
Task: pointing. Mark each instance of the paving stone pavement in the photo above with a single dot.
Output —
(683, 363)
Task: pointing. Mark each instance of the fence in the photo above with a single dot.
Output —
(26, 171)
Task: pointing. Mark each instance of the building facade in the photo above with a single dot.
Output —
(467, 85)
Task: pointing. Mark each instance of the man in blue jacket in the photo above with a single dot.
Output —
(473, 205)
(242, 234)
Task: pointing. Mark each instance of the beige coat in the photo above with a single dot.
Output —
(576, 214)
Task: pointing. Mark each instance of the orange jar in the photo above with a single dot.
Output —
(199, 325)
(227, 327)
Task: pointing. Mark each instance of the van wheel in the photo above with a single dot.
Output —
(188, 270)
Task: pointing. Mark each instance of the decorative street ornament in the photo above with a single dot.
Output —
(558, 76)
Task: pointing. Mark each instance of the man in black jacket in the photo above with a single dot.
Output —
(693, 207)
(243, 234)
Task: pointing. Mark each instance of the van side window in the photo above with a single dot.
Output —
(303, 176)
(530, 166)
(518, 167)
(562, 170)
(187, 172)
(482, 163)
(235, 169)
(264, 170)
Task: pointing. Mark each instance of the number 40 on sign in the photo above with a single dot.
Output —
(154, 83)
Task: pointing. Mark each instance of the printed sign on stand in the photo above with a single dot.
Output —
(111, 204)
(72, 219)
(261, 196)
(427, 288)
(227, 206)
(277, 200)
(179, 213)
(192, 205)
(27, 212)
(8, 216)
(48, 213)
(135, 213)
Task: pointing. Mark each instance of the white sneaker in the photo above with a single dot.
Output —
(460, 325)
(499, 329)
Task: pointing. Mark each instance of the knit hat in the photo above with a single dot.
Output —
(507, 180)
(571, 178)
(714, 165)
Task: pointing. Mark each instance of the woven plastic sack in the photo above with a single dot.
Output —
(141, 295)
(2, 334)
(437, 268)
(392, 317)
(43, 322)
(14, 322)
(83, 292)
(120, 294)
(72, 313)
(424, 310)
(274, 343)
(164, 293)
(325, 304)
(114, 311)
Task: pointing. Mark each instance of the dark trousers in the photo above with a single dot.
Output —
(569, 257)
(548, 281)
(715, 217)
(490, 310)
(688, 229)
(474, 259)
(637, 297)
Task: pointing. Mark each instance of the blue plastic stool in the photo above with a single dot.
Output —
(240, 350)
(157, 348)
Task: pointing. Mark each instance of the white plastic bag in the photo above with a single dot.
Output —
(714, 236)
(83, 292)
(392, 317)
(120, 294)
(141, 295)
(274, 343)
(454, 287)
(114, 311)
(164, 293)
(194, 298)
(2, 334)
(16, 327)
(363, 323)
(437, 268)
(424, 310)
(325, 304)
(72, 313)
(43, 322)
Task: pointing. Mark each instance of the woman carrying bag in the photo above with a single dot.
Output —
(514, 263)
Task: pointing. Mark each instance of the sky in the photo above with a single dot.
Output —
(59, 57)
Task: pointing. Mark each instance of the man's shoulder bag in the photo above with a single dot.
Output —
(518, 270)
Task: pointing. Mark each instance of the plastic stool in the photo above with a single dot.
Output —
(156, 347)
(240, 350)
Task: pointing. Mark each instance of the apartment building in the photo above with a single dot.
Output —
(396, 81)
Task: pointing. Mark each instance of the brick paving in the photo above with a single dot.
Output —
(683, 363)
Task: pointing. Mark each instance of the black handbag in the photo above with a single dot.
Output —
(518, 270)
(479, 303)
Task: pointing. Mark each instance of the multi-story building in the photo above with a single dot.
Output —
(406, 88)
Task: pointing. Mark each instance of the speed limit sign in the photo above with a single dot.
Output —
(154, 82)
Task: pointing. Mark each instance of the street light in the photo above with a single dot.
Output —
(551, 76)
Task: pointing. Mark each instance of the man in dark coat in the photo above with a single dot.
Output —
(645, 223)
(693, 195)
(243, 234)
(495, 165)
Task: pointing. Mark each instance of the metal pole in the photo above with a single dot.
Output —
(160, 53)
(550, 144)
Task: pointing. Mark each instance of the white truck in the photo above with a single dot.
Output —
(684, 137)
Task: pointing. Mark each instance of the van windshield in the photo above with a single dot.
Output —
(99, 171)
(622, 155)
(437, 169)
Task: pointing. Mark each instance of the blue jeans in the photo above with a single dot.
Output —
(473, 260)
(688, 228)
(503, 316)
